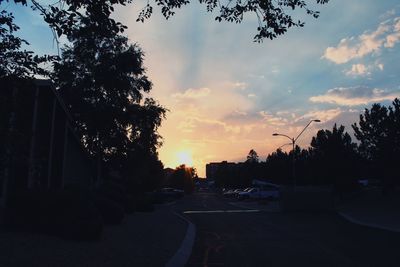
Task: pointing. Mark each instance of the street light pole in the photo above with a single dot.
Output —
(293, 142)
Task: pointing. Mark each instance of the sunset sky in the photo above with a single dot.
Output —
(227, 95)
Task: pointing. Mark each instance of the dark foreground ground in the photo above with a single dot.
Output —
(143, 239)
(227, 234)
(242, 238)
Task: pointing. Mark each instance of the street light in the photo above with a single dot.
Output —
(293, 142)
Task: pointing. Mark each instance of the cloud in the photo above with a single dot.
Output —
(323, 115)
(275, 70)
(193, 93)
(393, 38)
(358, 70)
(364, 70)
(273, 120)
(261, 118)
(388, 14)
(342, 53)
(354, 96)
(256, 76)
(386, 35)
(210, 127)
(240, 85)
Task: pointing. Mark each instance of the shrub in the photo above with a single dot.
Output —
(118, 194)
(66, 213)
(111, 211)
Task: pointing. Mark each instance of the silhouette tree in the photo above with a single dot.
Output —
(252, 157)
(102, 78)
(183, 178)
(249, 170)
(278, 167)
(274, 17)
(378, 132)
(15, 61)
(334, 158)
(142, 172)
(303, 165)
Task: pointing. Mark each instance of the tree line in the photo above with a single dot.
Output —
(333, 157)
(100, 75)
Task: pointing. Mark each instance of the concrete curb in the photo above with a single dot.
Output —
(185, 250)
(372, 225)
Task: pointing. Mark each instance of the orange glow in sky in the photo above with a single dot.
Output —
(184, 157)
(227, 95)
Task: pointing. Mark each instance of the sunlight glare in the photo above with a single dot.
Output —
(184, 157)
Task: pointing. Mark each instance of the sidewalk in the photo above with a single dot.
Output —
(143, 239)
(372, 209)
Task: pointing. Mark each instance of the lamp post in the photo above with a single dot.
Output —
(293, 142)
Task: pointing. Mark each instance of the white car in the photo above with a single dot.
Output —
(266, 192)
(245, 193)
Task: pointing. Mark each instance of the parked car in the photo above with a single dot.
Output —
(245, 193)
(228, 193)
(231, 193)
(265, 192)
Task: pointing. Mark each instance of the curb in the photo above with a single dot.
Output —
(185, 250)
(372, 225)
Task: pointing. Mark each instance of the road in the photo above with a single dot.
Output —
(227, 235)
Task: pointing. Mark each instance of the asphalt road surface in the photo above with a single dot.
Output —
(230, 236)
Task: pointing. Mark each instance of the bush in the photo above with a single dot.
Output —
(118, 194)
(66, 213)
(111, 211)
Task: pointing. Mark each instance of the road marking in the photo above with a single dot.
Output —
(183, 253)
(218, 211)
(372, 225)
(167, 204)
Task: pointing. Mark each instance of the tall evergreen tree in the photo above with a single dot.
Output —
(334, 158)
(378, 132)
(252, 157)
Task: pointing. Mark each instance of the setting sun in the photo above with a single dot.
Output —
(184, 157)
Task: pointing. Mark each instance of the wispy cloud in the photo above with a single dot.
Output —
(323, 115)
(358, 70)
(386, 35)
(354, 96)
(209, 126)
(240, 85)
(193, 93)
(394, 37)
(274, 120)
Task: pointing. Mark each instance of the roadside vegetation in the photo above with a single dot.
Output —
(333, 158)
